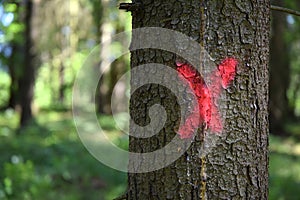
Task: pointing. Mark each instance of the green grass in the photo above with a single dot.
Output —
(48, 161)
(284, 169)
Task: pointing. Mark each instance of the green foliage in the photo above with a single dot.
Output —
(45, 93)
(48, 161)
(22, 182)
(284, 169)
(63, 37)
(10, 7)
(4, 87)
(12, 32)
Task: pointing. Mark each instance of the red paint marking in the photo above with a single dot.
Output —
(206, 95)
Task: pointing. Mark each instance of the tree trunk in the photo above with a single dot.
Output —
(101, 100)
(117, 69)
(61, 83)
(13, 61)
(237, 166)
(279, 73)
(28, 71)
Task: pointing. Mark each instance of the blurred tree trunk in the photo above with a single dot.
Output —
(51, 78)
(13, 89)
(61, 82)
(294, 71)
(101, 97)
(98, 20)
(237, 168)
(117, 68)
(26, 84)
(280, 110)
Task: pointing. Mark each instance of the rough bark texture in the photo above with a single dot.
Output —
(237, 167)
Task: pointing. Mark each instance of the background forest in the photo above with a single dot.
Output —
(44, 43)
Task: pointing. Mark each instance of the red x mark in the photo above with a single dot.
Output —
(206, 95)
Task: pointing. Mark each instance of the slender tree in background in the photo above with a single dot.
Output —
(26, 82)
(280, 110)
(237, 168)
(13, 96)
(71, 28)
(117, 69)
(55, 24)
(293, 43)
(98, 21)
(110, 77)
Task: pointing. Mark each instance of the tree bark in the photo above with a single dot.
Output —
(28, 71)
(237, 168)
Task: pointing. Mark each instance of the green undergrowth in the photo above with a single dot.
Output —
(284, 169)
(48, 161)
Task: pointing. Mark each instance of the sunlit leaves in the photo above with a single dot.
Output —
(10, 7)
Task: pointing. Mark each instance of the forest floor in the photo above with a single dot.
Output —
(48, 161)
(284, 166)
